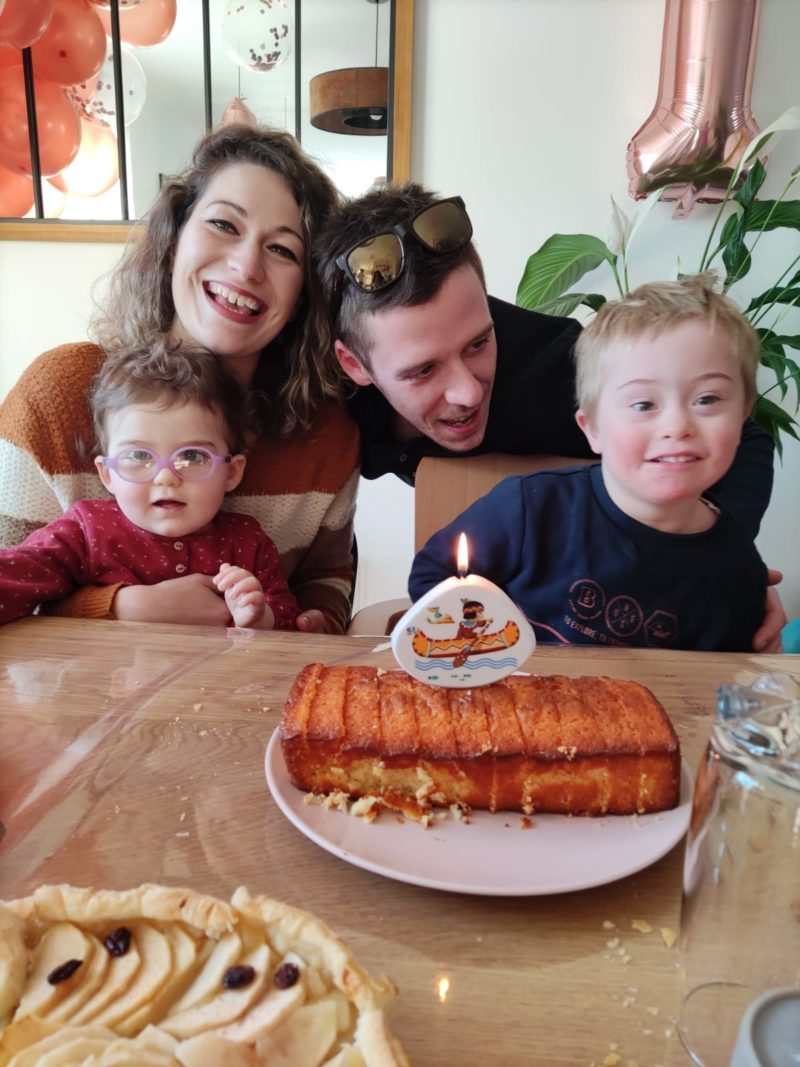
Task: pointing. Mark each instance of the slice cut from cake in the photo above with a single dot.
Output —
(576, 746)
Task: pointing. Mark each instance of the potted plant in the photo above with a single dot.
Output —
(736, 235)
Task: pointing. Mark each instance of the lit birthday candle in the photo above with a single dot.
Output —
(464, 632)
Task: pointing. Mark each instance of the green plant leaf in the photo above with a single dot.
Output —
(774, 342)
(561, 261)
(752, 183)
(772, 215)
(775, 421)
(777, 364)
(565, 304)
(737, 259)
(778, 294)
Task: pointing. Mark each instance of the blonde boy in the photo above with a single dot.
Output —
(632, 551)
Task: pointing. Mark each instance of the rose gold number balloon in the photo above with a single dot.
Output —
(702, 122)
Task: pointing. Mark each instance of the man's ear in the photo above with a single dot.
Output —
(351, 364)
(582, 420)
(104, 474)
(235, 471)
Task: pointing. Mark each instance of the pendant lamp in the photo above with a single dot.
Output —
(353, 100)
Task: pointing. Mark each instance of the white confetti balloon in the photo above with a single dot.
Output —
(95, 100)
(258, 33)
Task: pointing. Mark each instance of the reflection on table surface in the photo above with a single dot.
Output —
(133, 753)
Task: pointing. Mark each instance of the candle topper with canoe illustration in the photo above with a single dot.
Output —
(464, 632)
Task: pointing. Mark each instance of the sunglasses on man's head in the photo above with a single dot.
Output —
(377, 262)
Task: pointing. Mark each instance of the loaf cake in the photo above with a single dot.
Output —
(576, 746)
(166, 976)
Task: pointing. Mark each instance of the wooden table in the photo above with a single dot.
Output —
(132, 753)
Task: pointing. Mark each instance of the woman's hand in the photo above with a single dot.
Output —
(311, 622)
(244, 595)
(767, 637)
(192, 599)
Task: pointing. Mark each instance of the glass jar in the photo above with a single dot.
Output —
(740, 916)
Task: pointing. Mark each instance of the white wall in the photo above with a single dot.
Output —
(525, 108)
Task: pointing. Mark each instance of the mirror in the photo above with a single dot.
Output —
(161, 138)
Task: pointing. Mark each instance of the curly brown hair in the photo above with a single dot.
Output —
(171, 377)
(138, 310)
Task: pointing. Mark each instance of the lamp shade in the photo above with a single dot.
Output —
(353, 100)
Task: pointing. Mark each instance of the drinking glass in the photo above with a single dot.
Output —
(740, 914)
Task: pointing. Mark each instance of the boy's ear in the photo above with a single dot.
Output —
(104, 474)
(351, 364)
(235, 471)
(583, 421)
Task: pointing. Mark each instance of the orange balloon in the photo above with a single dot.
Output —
(24, 21)
(149, 23)
(58, 124)
(58, 183)
(73, 46)
(16, 194)
(53, 201)
(9, 56)
(96, 166)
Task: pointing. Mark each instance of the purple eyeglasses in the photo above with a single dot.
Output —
(192, 463)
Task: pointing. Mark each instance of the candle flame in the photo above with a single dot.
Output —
(462, 556)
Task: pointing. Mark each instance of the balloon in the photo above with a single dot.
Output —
(24, 21)
(54, 200)
(58, 124)
(16, 194)
(148, 23)
(73, 46)
(9, 56)
(702, 122)
(96, 166)
(95, 101)
(257, 34)
(238, 111)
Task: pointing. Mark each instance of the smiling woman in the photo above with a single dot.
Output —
(222, 262)
(238, 268)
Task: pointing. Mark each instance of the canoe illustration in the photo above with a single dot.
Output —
(461, 647)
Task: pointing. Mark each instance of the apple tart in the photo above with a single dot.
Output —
(167, 976)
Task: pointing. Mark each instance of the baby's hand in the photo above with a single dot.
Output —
(244, 596)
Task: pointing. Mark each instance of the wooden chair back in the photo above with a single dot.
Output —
(443, 488)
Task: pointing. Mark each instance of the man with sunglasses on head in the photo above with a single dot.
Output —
(443, 369)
